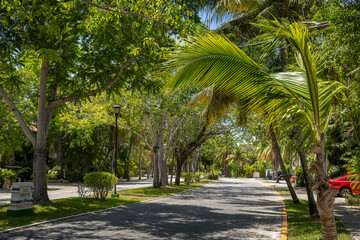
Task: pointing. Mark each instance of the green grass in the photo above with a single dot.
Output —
(71, 206)
(302, 227)
(283, 191)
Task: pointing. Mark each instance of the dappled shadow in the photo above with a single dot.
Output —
(218, 211)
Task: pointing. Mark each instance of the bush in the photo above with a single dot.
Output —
(6, 174)
(353, 199)
(54, 173)
(299, 177)
(261, 166)
(100, 183)
(197, 176)
(25, 173)
(189, 177)
(249, 171)
(213, 175)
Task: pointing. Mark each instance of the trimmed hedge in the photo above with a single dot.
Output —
(100, 183)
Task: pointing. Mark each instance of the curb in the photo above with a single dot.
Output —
(97, 211)
(284, 228)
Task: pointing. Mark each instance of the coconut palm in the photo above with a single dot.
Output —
(214, 61)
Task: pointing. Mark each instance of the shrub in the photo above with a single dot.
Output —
(197, 177)
(213, 175)
(353, 199)
(249, 171)
(6, 174)
(54, 172)
(100, 183)
(299, 177)
(261, 166)
(25, 173)
(189, 177)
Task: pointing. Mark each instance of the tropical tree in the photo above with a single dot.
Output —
(217, 62)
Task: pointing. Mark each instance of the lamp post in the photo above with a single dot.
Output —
(116, 111)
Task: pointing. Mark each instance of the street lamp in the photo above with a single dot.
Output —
(116, 111)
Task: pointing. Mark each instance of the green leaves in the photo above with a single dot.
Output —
(213, 61)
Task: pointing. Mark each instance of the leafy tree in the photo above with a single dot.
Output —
(83, 49)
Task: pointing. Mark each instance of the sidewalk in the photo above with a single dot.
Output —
(348, 215)
(67, 190)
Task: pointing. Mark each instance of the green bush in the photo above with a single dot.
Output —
(6, 174)
(213, 175)
(261, 166)
(100, 183)
(25, 173)
(249, 170)
(353, 199)
(189, 177)
(197, 176)
(54, 172)
(299, 177)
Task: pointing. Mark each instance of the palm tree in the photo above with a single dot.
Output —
(214, 61)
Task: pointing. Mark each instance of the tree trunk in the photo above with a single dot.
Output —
(162, 164)
(59, 155)
(128, 159)
(39, 164)
(277, 153)
(325, 198)
(40, 194)
(140, 163)
(156, 173)
(313, 211)
(179, 163)
(172, 167)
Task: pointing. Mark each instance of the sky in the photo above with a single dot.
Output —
(213, 25)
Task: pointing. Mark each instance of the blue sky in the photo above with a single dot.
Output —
(213, 25)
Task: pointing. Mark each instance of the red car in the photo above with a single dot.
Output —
(292, 179)
(341, 185)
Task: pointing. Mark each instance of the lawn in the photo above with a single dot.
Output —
(302, 227)
(71, 206)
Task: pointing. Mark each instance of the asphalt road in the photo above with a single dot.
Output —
(229, 209)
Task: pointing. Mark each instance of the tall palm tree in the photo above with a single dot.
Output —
(215, 61)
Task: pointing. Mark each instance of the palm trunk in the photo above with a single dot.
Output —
(277, 153)
(162, 164)
(325, 198)
(313, 211)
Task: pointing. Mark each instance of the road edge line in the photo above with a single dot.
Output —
(284, 224)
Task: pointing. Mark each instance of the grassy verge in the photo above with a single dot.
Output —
(71, 206)
(302, 227)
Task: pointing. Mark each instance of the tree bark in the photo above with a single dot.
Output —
(140, 162)
(325, 198)
(277, 153)
(162, 162)
(313, 211)
(39, 164)
(128, 158)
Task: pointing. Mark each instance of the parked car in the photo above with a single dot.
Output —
(269, 174)
(342, 185)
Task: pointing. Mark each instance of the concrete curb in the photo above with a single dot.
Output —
(97, 211)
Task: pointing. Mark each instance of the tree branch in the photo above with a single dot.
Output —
(18, 116)
(57, 102)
